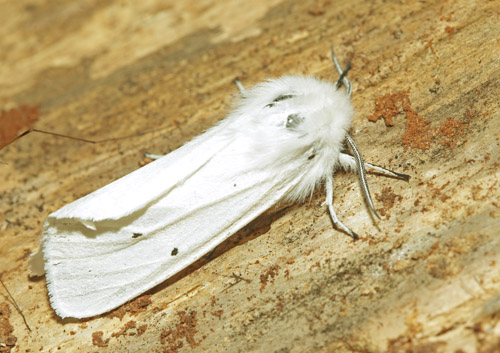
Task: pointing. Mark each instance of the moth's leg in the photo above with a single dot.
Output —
(360, 166)
(388, 172)
(153, 156)
(329, 203)
(348, 161)
(238, 84)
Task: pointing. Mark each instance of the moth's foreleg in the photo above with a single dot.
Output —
(329, 203)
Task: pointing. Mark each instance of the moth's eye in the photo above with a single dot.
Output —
(293, 120)
(279, 99)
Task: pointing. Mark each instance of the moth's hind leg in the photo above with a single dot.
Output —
(329, 202)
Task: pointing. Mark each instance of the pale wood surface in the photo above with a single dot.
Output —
(424, 278)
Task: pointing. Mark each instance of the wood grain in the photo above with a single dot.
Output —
(425, 278)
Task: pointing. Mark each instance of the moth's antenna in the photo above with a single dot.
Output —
(345, 81)
(343, 75)
(360, 163)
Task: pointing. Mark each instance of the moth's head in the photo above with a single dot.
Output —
(303, 110)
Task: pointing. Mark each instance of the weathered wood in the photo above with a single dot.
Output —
(424, 278)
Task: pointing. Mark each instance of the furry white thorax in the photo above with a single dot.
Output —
(294, 119)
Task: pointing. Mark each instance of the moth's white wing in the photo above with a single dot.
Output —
(136, 190)
(140, 188)
(90, 272)
(112, 245)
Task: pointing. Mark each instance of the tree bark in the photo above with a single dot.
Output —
(424, 278)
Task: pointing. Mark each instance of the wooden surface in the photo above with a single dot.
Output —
(424, 278)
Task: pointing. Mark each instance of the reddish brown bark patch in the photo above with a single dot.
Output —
(389, 106)
(98, 340)
(270, 273)
(450, 132)
(418, 133)
(184, 331)
(6, 329)
(16, 120)
(134, 307)
(388, 198)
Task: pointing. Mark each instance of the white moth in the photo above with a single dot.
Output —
(284, 138)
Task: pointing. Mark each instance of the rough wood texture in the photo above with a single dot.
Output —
(425, 278)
